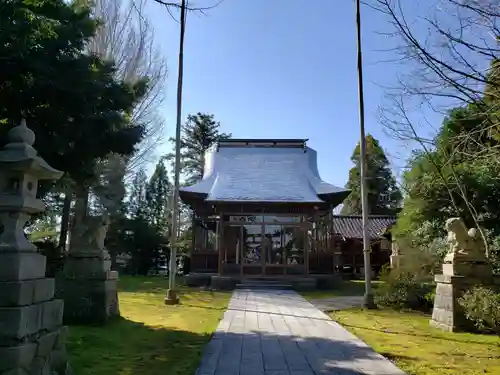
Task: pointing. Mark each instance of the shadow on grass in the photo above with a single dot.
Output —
(124, 347)
(346, 288)
(398, 357)
(147, 284)
(413, 333)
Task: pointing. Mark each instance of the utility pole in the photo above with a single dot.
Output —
(368, 298)
(171, 297)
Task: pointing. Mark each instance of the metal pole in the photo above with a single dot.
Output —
(368, 298)
(171, 297)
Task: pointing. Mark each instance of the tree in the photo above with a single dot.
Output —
(159, 198)
(447, 181)
(199, 133)
(158, 194)
(384, 196)
(443, 182)
(450, 59)
(143, 229)
(78, 109)
(137, 204)
(126, 37)
(72, 101)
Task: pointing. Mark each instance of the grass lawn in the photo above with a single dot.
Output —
(407, 339)
(346, 288)
(150, 338)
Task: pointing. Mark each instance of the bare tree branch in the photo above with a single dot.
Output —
(169, 4)
(127, 37)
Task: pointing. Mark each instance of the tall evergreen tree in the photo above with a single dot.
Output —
(137, 199)
(384, 197)
(158, 193)
(199, 133)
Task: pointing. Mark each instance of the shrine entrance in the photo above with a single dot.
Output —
(272, 245)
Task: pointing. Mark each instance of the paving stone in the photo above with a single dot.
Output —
(277, 332)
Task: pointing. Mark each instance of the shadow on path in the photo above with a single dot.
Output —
(277, 332)
(258, 353)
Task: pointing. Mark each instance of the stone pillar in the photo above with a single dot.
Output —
(87, 284)
(395, 257)
(465, 266)
(32, 338)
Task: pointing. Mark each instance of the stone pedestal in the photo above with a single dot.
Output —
(465, 266)
(32, 338)
(89, 288)
(447, 314)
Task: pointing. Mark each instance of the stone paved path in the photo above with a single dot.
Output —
(276, 332)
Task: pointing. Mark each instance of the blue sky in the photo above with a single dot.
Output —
(281, 69)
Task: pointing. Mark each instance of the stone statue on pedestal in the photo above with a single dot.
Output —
(464, 244)
(464, 266)
(91, 234)
(88, 285)
(466, 253)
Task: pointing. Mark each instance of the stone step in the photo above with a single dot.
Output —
(263, 285)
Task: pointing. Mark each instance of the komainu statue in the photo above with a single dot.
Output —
(465, 244)
(95, 231)
(90, 234)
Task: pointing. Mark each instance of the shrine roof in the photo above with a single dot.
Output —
(268, 171)
(351, 226)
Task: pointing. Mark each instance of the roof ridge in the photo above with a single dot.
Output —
(369, 216)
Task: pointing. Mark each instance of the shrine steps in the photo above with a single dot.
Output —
(263, 284)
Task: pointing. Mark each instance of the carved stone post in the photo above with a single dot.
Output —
(87, 284)
(396, 255)
(465, 265)
(32, 338)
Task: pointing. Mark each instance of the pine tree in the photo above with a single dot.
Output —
(137, 199)
(158, 192)
(384, 197)
(199, 133)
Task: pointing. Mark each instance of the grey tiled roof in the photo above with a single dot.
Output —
(351, 226)
(262, 174)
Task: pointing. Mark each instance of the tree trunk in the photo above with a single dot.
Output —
(65, 216)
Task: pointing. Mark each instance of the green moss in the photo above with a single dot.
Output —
(150, 337)
(408, 340)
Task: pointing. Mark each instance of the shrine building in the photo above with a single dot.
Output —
(262, 211)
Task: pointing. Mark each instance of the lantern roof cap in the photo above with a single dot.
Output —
(19, 154)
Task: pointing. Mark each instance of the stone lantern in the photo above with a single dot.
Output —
(32, 338)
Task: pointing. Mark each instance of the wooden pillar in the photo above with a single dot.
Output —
(218, 244)
(194, 232)
(306, 246)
